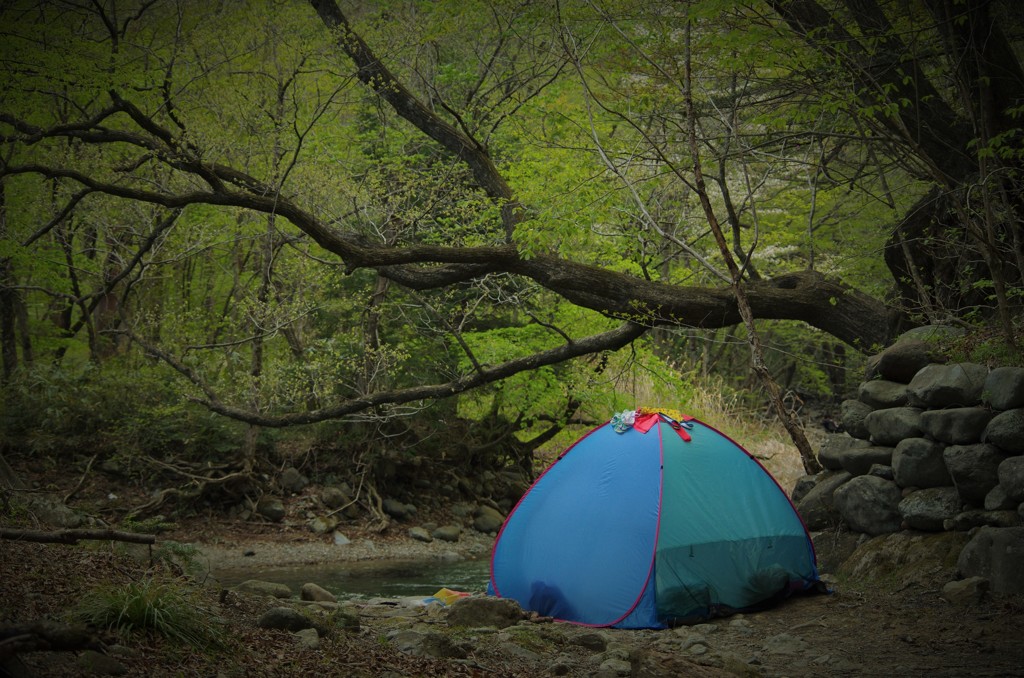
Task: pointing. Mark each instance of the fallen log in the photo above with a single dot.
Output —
(70, 536)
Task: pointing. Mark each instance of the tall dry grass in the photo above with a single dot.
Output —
(754, 428)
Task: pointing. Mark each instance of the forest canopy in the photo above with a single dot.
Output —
(309, 211)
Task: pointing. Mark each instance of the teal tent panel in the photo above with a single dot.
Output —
(729, 537)
(580, 544)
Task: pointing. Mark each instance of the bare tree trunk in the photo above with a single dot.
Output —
(789, 421)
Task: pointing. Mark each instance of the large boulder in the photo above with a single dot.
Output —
(882, 394)
(859, 460)
(869, 504)
(954, 385)
(956, 425)
(928, 509)
(918, 462)
(1006, 431)
(829, 455)
(853, 413)
(1004, 388)
(996, 554)
(816, 507)
(901, 361)
(888, 427)
(975, 470)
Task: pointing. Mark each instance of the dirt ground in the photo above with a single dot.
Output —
(889, 624)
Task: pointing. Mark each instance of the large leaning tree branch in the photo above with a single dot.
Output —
(606, 341)
(826, 304)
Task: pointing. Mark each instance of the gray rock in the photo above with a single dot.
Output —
(317, 593)
(882, 471)
(956, 426)
(889, 427)
(284, 619)
(292, 480)
(965, 592)
(271, 508)
(1011, 477)
(859, 460)
(265, 588)
(882, 394)
(901, 361)
(334, 497)
(833, 446)
(974, 469)
(562, 665)
(427, 644)
(998, 500)
(869, 504)
(323, 524)
(476, 612)
(346, 620)
(852, 413)
(953, 385)
(488, 520)
(420, 534)
(1006, 431)
(591, 640)
(928, 509)
(804, 484)
(817, 507)
(614, 667)
(396, 509)
(995, 554)
(463, 510)
(968, 520)
(918, 462)
(450, 533)
(308, 638)
(1004, 388)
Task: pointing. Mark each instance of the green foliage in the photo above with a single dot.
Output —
(986, 346)
(121, 409)
(155, 605)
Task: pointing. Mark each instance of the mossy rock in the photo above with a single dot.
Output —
(904, 558)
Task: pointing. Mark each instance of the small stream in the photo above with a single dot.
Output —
(373, 579)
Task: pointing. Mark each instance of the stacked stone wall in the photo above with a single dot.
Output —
(928, 446)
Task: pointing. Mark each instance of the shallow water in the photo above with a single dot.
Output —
(373, 579)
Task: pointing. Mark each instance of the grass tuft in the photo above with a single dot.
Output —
(151, 605)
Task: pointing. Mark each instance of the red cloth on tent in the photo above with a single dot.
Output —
(645, 422)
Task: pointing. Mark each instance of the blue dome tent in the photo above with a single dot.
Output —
(646, 522)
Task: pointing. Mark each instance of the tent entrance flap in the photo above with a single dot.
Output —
(580, 544)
